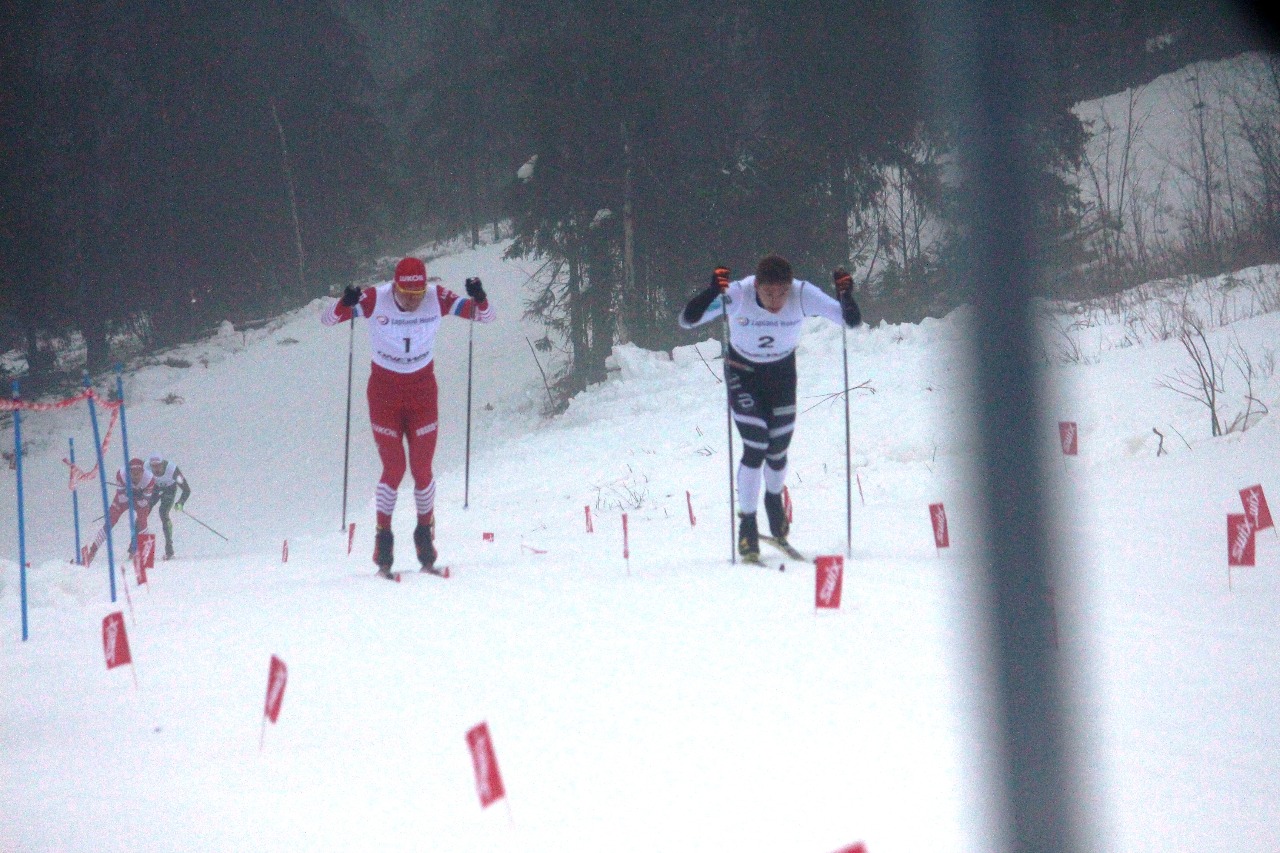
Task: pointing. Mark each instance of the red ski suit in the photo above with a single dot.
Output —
(402, 391)
(143, 486)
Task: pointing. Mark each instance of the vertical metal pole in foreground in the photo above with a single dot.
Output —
(346, 443)
(466, 476)
(985, 76)
(22, 530)
(848, 459)
(728, 416)
(102, 480)
(75, 501)
(128, 474)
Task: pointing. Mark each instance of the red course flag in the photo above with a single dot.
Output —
(1240, 540)
(828, 582)
(115, 642)
(586, 510)
(1070, 437)
(146, 556)
(488, 779)
(284, 557)
(786, 503)
(277, 678)
(1255, 507)
(688, 498)
(351, 536)
(938, 514)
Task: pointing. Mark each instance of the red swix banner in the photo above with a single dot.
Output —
(786, 503)
(351, 536)
(284, 556)
(1240, 540)
(145, 557)
(1255, 506)
(1069, 436)
(828, 581)
(115, 643)
(688, 498)
(277, 678)
(586, 510)
(488, 779)
(854, 848)
(938, 514)
(486, 537)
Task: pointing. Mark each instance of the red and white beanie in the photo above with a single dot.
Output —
(411, 276)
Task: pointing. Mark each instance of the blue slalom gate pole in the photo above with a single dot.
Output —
(128, 475)
(22, 532)
(102, 480)
(75, 503)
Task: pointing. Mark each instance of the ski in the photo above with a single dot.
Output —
(438, 571)
(785, 547)
(756, 561)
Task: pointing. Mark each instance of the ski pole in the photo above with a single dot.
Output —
(848, 461)
(728, 415)
(22, 529)
(205, 526)
(346, 444)
(466, 476)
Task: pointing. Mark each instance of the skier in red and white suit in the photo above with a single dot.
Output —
(143, 486)
(404, 315)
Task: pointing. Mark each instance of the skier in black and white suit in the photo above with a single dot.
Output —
(766, 314)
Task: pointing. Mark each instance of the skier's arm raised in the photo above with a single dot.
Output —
(345, 308)
(697, 311)
(815, 303)
(474, 306)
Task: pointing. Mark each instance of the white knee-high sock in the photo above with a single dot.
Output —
(774, 480)
(748, 489)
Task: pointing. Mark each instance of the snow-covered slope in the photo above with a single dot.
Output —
(669, 701)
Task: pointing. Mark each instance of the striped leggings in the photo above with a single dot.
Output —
(763, 400)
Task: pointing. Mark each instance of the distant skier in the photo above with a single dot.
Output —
(143, 486)
(766, 312)
(169, 479)
(404, 316)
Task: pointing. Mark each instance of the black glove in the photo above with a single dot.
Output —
(350, 296)
(844, 290)
(844, 281)
(699, 304)
(476, 290)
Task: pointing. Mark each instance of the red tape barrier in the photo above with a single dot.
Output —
(78, 474)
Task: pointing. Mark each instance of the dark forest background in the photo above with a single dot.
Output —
(168, 166)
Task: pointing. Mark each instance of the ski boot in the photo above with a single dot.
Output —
(748, 537)
(423, 540)
(383, 547)
(168, 550)
(779, 527)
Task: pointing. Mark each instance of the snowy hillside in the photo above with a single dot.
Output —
(669, 701)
